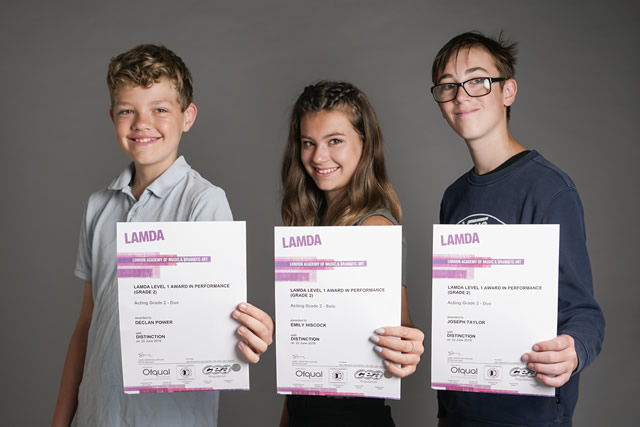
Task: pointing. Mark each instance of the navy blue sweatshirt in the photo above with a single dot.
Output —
(530, 191)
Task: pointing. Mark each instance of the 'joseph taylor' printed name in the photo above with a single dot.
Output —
(459, 239)
(143, 236)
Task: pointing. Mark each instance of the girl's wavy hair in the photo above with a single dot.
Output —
(144, 65)
(303, 203)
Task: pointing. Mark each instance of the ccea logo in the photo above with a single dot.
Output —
(368, 374)
(464, 371)
(522, 373)
(303, 373)
(216, 370)
(148, 372)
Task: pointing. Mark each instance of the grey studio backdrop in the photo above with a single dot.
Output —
(577, 103)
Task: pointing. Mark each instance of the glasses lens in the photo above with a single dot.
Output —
(445, 92)
(478, 87)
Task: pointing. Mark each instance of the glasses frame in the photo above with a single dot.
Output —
(461, 85)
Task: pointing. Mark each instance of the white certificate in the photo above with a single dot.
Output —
(178, 283)
(495, 294)
(334, 286)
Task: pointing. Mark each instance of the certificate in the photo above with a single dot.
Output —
(495, 294)
(334, 286)
(178, 283)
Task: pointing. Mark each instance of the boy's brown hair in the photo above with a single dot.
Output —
(144, 65)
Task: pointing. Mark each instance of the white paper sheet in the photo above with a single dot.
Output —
(178, 283)
(334, 287)
(495, 294)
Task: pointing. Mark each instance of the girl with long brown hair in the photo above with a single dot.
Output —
(333, 173)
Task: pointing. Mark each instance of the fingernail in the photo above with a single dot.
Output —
(525, 357)
(536, 348)
(379, 331)
(385, 363)
(374, 338)
(241, 345)
(235, 314)
(242, 306)
(377, 348)
(242, 330)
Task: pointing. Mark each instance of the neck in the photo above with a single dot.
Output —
(489, 154)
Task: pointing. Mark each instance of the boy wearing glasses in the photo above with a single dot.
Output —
(474, 87)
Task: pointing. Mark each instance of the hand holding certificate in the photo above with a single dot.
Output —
(178, 285)
(495, 294)
(334, 287)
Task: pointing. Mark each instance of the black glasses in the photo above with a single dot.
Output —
(476, 87)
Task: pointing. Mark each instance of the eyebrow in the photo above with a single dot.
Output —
(325, 136)
(468, 71)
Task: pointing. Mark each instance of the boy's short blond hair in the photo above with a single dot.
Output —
(144, 65)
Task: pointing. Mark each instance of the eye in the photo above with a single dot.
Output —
(161, 110)
(306, 143)
(335, 141)
(477, 82)
(448, 86)
(124, 112)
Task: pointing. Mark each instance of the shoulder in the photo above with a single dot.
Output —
(98, 202)
(376, 220)
(457, 185)
(199, 188)
(544, 171)
(379, 217)
(208, 201)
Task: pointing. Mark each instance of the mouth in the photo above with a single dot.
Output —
(325, 172)
(144, 140)
(462, 113)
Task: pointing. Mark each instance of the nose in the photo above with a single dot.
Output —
(461, 95)
(320, 153)
(141, 121)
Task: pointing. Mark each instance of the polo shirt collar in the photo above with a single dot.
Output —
(162, 185)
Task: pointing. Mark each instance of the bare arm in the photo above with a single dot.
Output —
(74, 363)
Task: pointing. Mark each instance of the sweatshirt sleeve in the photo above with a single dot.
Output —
(579, 315)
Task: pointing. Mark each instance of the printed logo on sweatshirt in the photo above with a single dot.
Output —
(480, 218)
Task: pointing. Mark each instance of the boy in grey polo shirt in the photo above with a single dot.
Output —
(151, 105)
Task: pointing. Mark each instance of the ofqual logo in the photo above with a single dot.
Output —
(150, 372)
(310, 375)
(458, 370)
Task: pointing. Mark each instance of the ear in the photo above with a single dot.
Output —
(189, 117)
(111, 115)
(509, 91)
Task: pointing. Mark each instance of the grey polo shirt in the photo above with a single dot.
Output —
(179, 194)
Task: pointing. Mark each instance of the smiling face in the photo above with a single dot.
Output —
(330, 150)
(149, 124)
(476, 118)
